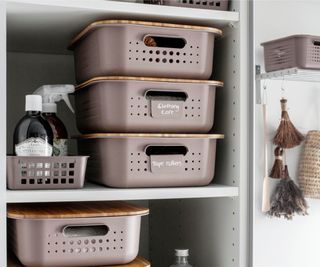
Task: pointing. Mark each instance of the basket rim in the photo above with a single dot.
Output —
(290, 37)
(99, 23)
(146, 79)
(150, 135)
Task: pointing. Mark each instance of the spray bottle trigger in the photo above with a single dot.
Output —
(66, 99)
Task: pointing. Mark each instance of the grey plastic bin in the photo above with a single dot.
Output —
(137, 48)
(128, 104)
(301, 51)
(65, 172)
(75, 234)
(150, 160)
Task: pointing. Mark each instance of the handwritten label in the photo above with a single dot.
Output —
(166, 163)
(166, 109)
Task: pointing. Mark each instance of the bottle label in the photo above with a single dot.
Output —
(60, 147)
(33, 147)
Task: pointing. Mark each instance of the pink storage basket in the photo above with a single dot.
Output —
(203, 4)
(129, 104)
(301, 51)
(75, 234)
(150, 160)
(65, 172)
(138, 48)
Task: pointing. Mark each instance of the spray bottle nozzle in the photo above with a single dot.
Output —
(55, 93)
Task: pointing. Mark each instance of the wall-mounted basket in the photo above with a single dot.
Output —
(150, 160)
(65, 172)
(301, 51)
(75, 234)
(130, 104)
(138, 48)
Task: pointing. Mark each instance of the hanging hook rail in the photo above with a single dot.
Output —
(292, 74)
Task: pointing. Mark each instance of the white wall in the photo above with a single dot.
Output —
(278, 242)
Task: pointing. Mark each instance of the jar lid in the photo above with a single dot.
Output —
(182, 252)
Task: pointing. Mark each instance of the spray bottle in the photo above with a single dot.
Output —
(50, 95)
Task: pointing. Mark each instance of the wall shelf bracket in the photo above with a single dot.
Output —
(291, 74)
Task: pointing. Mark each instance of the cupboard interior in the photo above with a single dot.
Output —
(209, 227)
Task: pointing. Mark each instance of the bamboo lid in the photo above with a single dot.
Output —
(149, 135)
(61, 210)
(138, 262)
(146, 79)
(96, 24)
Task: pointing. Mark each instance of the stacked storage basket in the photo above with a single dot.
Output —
(144, 103)
(76, 234)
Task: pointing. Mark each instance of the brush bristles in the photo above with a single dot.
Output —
(277, 169)
(287, 136)
(288, 199)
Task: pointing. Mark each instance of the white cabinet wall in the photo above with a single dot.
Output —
(278, 242)
(212, 221)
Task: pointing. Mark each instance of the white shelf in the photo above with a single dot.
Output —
(292, 74)
(92, 192)
(46, 26)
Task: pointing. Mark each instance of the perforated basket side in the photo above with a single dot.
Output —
(140, 108)
(302, 51)
(122, 50)
(46, 172)
(190, 162)
(53, 245)
(204, 4)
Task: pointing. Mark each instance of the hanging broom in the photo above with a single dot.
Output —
(287, 136)
(287, 199)
(277, 169)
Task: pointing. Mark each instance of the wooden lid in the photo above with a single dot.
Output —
(146, 79)
(61, 210)
(96, 24)
(138, 262)
(148, 135)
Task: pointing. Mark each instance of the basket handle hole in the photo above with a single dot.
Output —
(166, 150)
(316, 43)
(166, 95)
(164, 41)
(85, 230)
